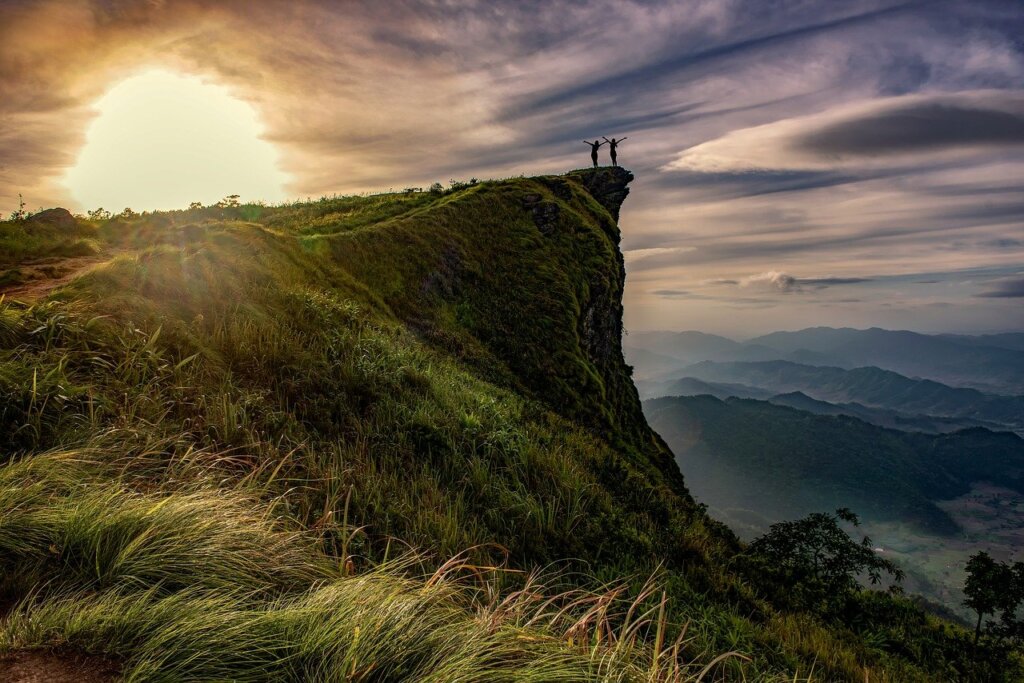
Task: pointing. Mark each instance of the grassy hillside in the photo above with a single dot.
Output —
(373, 438)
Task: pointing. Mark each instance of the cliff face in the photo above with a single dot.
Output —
(524, 280)
(609, 185)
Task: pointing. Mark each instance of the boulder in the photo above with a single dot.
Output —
(57, 219)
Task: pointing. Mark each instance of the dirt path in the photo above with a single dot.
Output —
(38, 278)
(46, 666)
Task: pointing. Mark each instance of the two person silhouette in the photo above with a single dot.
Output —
(612, 149)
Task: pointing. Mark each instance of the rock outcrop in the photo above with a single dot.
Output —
(57, 219)
(609, 185)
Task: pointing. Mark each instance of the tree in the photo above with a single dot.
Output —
(992, 587)
(99, 214)
(232, 200)
(20, 214)
(813, 561)
(195, 205)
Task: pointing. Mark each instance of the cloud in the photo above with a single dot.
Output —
(875, 132)
(774, 280)
(1005, 289)
(830, 281)
(634, 255)
(933, 123)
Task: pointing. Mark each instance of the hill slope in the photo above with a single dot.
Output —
(218, 440)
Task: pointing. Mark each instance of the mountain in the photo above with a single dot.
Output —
(1005, 340)
(648, 364)
(989, 368)
(691, 347)
(877, 416)
(684, 344)
(691, 386)
(388, 438)
(742, 452)
(869, 386)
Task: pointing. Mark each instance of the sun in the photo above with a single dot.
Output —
(163, 140)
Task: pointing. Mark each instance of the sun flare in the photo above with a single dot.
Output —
(162, 140)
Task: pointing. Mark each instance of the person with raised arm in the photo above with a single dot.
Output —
(594, 146)
(612, 145)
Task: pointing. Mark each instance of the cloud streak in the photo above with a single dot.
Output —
(1006, 289)
(865, 135)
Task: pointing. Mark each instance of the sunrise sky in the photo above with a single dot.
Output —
(798, 163)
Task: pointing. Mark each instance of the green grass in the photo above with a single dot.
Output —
(202, 584)
(22, 241)
(260, 431)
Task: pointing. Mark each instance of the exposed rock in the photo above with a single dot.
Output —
(545, 214)
(57, 219)
(609, 185)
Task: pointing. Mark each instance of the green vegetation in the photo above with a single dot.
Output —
(813, 563)
(22, 241)
(992, 587)
(248, 446)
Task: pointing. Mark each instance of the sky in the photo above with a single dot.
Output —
(798, 163)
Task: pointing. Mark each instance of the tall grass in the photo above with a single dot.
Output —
(197, 584)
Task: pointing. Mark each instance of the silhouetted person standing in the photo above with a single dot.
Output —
(594, 146)
(612, 144)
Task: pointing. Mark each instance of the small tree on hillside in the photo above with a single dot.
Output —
(995, 587)
(813, 562)
(20, 214)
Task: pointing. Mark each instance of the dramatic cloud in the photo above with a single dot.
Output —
(869, 136)
(866, 134)
(1006, 289)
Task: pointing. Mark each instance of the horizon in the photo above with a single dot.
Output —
(804, 165)
(746, 339)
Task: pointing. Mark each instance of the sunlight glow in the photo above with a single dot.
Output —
(163, 140)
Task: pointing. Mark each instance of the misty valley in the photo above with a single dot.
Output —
(792, 423)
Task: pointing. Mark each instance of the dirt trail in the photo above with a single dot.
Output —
(38, 278)
(47, 666)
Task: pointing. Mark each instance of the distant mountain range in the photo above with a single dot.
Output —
(853, 391)
(891, 419)
(990, 363)
(780, 463)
